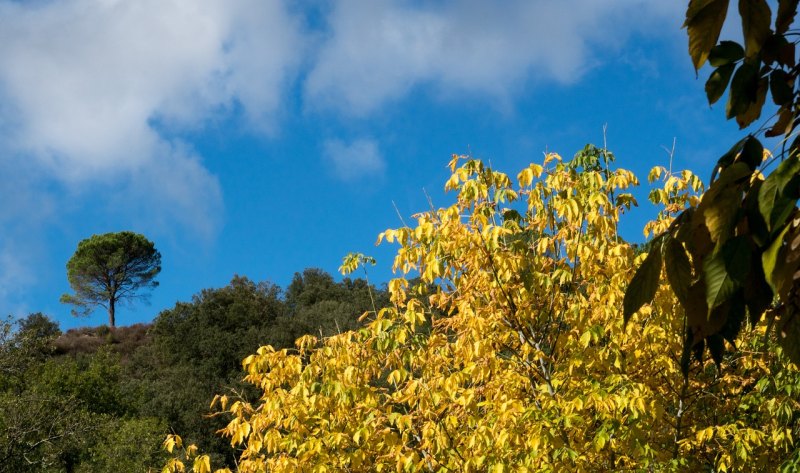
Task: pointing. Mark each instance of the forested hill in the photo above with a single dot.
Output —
(100, 399)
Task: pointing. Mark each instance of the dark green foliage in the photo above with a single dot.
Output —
(39, 326)
(42, 432)
(102, 400)
(678, 268)
(56, 410)
(196, 350)
(126, 444)
(319, 306)
(96, 380)
(219, 327)
(23, 344)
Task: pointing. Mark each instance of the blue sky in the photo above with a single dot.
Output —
(263, 137)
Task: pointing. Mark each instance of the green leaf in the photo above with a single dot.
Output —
(743, 91)
(683, 224)
(752, 152)
(756, 17)
(699, 318)
(773, 203)
(704, 19)
(679, 269)
(770, 259)
(698, 349)
(736, 252)
(720, 204)
(787, 9)
(782, 261)
(718, 82)
(726, 52)
(755, 222)
(786, 56)
(644, 284)
(511, 215)
(782, 93)
(720, 284)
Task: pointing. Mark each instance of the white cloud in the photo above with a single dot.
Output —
(356, 160)
(91, 89)
(94, 95)
(379, 51)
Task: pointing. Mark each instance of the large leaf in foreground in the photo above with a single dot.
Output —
(704, 19)
(644, 284)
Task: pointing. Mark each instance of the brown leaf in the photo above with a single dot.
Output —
(783, 125)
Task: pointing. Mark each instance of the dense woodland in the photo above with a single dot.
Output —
(103, 400)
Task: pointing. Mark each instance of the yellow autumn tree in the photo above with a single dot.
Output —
(505, 349)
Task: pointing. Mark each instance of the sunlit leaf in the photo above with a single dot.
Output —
(202, 464)
(774, 202)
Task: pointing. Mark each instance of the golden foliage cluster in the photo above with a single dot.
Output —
(504, 349)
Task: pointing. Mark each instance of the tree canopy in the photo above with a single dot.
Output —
(110, 268)
(510, 354)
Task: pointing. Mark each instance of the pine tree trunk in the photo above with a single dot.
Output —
(111, 319)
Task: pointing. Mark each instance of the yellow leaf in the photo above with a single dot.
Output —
(202, 464)
(171, 442)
